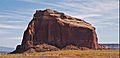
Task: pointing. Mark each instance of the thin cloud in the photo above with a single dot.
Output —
(19, 38)
(4, 16)
(86, 16)
(12, 19)
(13, 15)
(10, 26)
(90, 7)
(30, 1)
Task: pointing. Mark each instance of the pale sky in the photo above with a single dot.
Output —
(16, 14)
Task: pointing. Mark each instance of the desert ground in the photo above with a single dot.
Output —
(67, 54)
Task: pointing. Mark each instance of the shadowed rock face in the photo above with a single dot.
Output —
(57, 30)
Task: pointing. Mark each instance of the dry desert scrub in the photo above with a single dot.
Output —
(67, 54)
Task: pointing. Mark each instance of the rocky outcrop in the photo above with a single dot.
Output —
(70, 47)
(56, 31)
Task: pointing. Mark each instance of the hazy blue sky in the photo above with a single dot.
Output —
(16, 14)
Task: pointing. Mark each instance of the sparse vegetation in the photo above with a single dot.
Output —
(67, 54)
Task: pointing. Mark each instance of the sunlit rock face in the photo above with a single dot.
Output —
(51, 30)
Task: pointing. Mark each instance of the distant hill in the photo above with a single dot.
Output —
(5, 49)
(112, 46)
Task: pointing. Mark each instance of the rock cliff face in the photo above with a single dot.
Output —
(52, 30)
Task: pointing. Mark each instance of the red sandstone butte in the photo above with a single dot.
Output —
(51, 30)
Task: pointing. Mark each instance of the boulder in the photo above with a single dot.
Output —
(70, 47)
